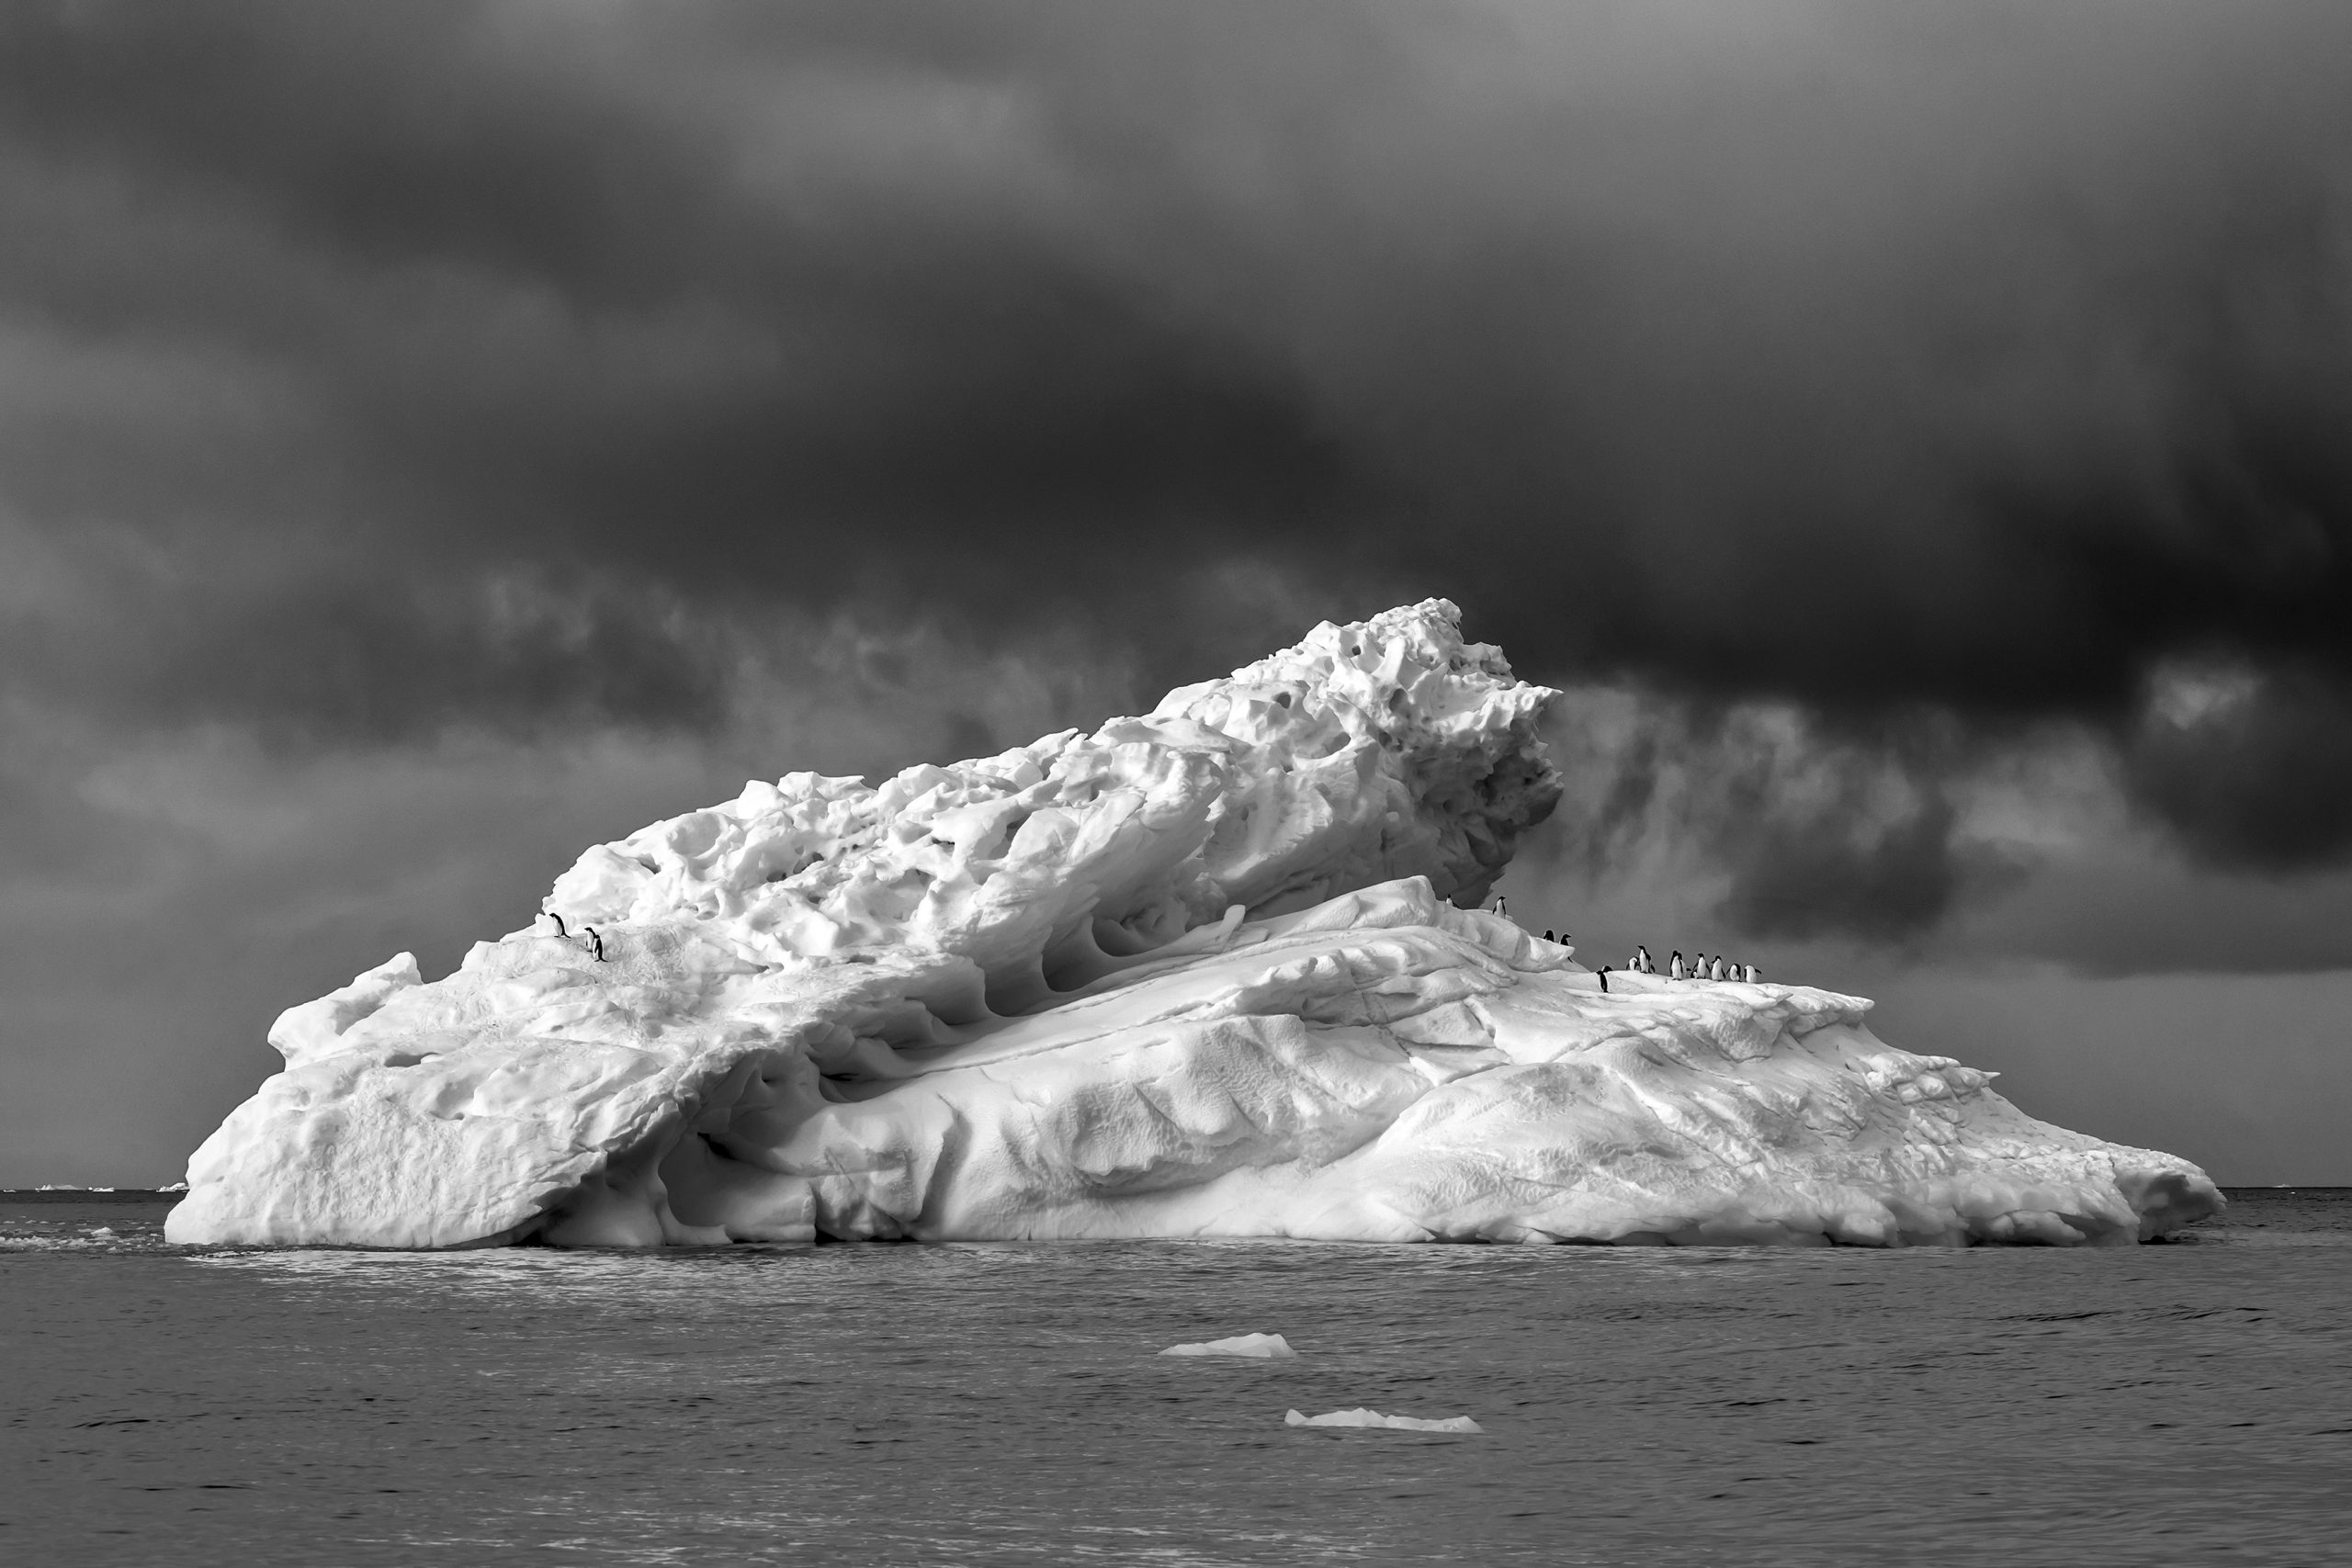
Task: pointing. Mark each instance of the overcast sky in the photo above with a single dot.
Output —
(435, 437)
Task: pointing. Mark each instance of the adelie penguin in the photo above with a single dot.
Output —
(1674, 965)
(596, 942)
(1604, 978)
(1642, 960)
(552, 915)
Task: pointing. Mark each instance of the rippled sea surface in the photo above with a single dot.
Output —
(2188, 1402)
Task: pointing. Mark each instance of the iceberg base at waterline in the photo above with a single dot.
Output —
(1216, 971)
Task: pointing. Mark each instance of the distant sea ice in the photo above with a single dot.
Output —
(1263, 1347)
(1362, 1418)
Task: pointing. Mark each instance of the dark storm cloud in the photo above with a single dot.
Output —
(1968, 361)
(1812, 829)
(2257, 775)
(1816, 874)
(551, 286)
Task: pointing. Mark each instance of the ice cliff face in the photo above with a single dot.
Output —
(1202, 972)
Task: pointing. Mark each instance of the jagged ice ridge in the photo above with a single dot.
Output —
(1212, 972)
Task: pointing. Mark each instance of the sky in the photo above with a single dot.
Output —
(435, 438)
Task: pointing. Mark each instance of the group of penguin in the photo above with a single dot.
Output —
(595, 942)
(1700, 968)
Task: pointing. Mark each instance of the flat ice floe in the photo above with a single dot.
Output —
(1216, 971)
(1262, 1347)
(1361, 1417)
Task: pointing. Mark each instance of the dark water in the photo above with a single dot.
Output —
(2186, 1403)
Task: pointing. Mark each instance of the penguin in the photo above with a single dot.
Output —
(1642, 960)
(1754, 974)
(1675, 967)
(1502, 907)
(1698, 966)
(1634, 963)
(552, 915)
(1717, 974)
(1548, 936)
(597, 941)
(1604, 979)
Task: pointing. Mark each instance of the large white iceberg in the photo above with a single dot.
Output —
(1204, 973)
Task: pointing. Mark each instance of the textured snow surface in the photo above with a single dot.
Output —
(1259, 1346)
(1361, 1417)
(1209, 972)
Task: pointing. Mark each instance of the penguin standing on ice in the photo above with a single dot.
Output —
(1717, 972)
(1547, 934)
(552, 915)
(1642, 960)
(1754, 974)
(597, 942)
(1604, 979)
(1502, 907)
(1674, 967)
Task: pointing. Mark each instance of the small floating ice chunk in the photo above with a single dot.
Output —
(1263, 1347)
(104, 1232)
(1361, 1417)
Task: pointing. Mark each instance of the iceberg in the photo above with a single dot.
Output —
(1360, 1416)
(1261, 1346)
(1218, 971)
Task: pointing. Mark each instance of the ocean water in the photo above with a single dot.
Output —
(2188, 1402)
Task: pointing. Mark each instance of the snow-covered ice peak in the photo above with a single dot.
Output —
(1390, 747)
(1205, 972)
